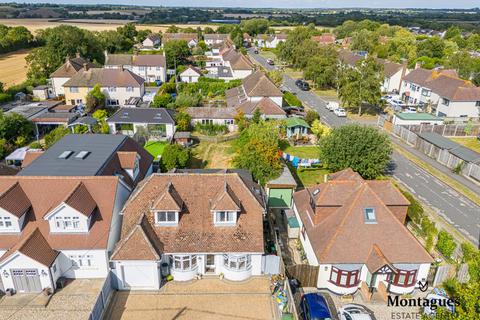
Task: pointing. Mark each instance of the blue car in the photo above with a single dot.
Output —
(314, 307)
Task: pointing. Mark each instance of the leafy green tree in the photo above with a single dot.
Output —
(432, 47)
(175, 156)
(58, 43)
(363, 40)
(112, 41)
(255, 26)
(276, 76)
(162, 100)
(185, 100)
(364, 149)
(102, 126)
(361, 84)
(143, 34)
(128, 32)
(183, 120)
(452, 32)
(55, 135)
(13, 125)
(473, 42)
(323, 67)
(319, 129)
(95, 99)
(286, 50)
(257, 116)
(311, 116)
(446, 244)
(402, 45)
(304, 53)
(463, 63)
(176, 52)
(257, 150)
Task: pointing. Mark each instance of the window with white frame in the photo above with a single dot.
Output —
(225, 217)
(166, 217)
(129, 89)
(184, 262)
(74, 89)
(5, 222)
(445, 101)
(84, 260)
(67, 223)
(112, 89)
(228, 121)
(237, 262)
(370, 215)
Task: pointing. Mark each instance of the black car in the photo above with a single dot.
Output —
(303, 85)
(255, 51)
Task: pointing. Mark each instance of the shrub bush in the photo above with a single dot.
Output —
(445, 244)
(208, 87)
(211, 129)
(291, 99)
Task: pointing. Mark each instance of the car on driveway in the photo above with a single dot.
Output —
(355, 312)
(410, 110)
(397, 104)
(340, 112)
(332, 105)
(313, 306)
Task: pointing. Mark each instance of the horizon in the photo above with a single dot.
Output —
(284, 4)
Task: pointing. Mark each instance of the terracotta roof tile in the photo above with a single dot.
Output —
(196, 231)
(376, 259)
(342, 236)
(81, 200)
(105, 78)
(35, 247)
(127, 159)
(71, 67)
(265, 105)
(211, 112)
(14, 200)
(30, 156)
(259, 85)
(226, 200)
(169, 200)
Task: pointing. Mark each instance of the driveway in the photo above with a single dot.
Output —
(73, 302)
(209, 298)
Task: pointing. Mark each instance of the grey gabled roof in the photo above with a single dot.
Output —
(101, 147)
(142, 115)
(438, 140)
(466, 154)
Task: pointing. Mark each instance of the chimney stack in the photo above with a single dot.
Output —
(85, 66)
(77, 54)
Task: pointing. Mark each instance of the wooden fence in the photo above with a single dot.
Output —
(306, 275)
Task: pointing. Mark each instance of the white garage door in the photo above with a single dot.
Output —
(140, 276)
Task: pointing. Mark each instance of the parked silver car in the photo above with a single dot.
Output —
(354, 312)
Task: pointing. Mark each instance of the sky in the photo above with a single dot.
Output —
(460, 4)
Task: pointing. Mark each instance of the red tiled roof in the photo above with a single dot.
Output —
(196, 231)
(30, 156)
(14, 200)
(336, 225)
(35, 247)
(81, 200)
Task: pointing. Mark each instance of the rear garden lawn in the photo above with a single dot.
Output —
(308, 177)
(304, 152)
(212, 155)
(155, 148)
(471, 143)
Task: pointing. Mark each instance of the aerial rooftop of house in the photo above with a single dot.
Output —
(193, 196)
(91, 155)
(148, 60)
(105, 78)
(351, 220)
(255, 85)
(71, 66)
(142, 115)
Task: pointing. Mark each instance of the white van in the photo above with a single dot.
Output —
(332, 105)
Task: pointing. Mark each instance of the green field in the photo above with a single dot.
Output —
(304, 152)
(155, 148)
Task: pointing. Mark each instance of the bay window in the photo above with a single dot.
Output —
(237, 262)
(184, 262)
(344, 278)
(403, 278)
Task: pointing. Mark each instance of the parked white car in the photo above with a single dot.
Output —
(340, 112)
(332, 105)
(410, 110)
(354, 312)
(397, 104)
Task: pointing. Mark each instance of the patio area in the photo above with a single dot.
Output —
(75, 301)
(209, 298)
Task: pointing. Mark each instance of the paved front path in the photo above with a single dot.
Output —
(199, 300)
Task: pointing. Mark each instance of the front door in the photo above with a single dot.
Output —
(26, 280)
(210, 263)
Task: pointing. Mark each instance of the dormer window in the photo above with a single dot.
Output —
(225, 217)
(5, 222)
(167, 218)
(370, 217)
(67, 223)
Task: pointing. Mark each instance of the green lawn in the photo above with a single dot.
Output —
(155, 148)
(471, 143)
(304, 152)
(308, 177)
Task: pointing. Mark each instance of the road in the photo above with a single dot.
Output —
(458, 210)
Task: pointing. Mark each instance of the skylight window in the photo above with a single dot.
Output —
(370, 216)
(65, 154)
(82, 155)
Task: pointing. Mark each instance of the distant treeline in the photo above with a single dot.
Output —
(15, 38)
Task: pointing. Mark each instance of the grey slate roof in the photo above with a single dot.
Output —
(285, 179)
(142, 115)
(438, 140)
(101, 147)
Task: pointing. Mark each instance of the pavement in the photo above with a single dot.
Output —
(209, 298)
(455, 208)
(73, 302)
